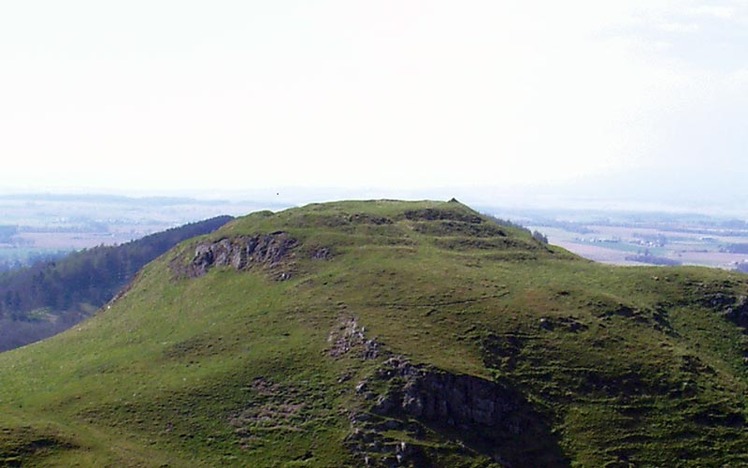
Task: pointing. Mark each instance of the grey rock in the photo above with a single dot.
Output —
(435, 395)
(241, 253)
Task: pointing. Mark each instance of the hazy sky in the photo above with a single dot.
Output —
(380, 95)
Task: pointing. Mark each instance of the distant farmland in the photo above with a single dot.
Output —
(641, 244)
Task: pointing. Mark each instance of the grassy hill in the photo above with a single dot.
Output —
(390, 334)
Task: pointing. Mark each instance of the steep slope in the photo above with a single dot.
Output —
(46, 298)
(390, 334)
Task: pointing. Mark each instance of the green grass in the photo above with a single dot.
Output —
(627, 364)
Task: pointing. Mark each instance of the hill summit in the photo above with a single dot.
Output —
(388, 333)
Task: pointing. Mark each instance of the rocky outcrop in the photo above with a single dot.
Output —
(737, 312)
(349, 336)
(409, 415)
(241, 253)
(435, 395)
(484, 419)
(732, 306)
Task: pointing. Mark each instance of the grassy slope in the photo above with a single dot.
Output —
(233, 367)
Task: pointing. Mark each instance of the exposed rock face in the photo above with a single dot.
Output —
(487, 420)
(439, 396)
(241, 253)
(402, 408)
(733, 307)
(737, 313)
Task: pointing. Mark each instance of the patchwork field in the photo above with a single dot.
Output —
(636, 238)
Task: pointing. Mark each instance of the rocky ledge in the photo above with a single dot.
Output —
(485, 419)
(462, 401)
(240, 253)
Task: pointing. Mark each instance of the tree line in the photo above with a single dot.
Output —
(36, 301)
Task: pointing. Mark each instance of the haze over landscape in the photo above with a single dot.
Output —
(386, 234)
(627, 103)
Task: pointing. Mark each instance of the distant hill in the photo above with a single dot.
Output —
(387, 333)
(48, 297)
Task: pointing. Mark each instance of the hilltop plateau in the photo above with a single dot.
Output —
(388, 333)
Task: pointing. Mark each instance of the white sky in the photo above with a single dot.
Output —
(155, 96)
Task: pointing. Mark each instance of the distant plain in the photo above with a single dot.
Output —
(637, 238)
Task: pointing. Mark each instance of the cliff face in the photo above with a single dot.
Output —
(486, 419)
(436, 396)
(240, 253)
